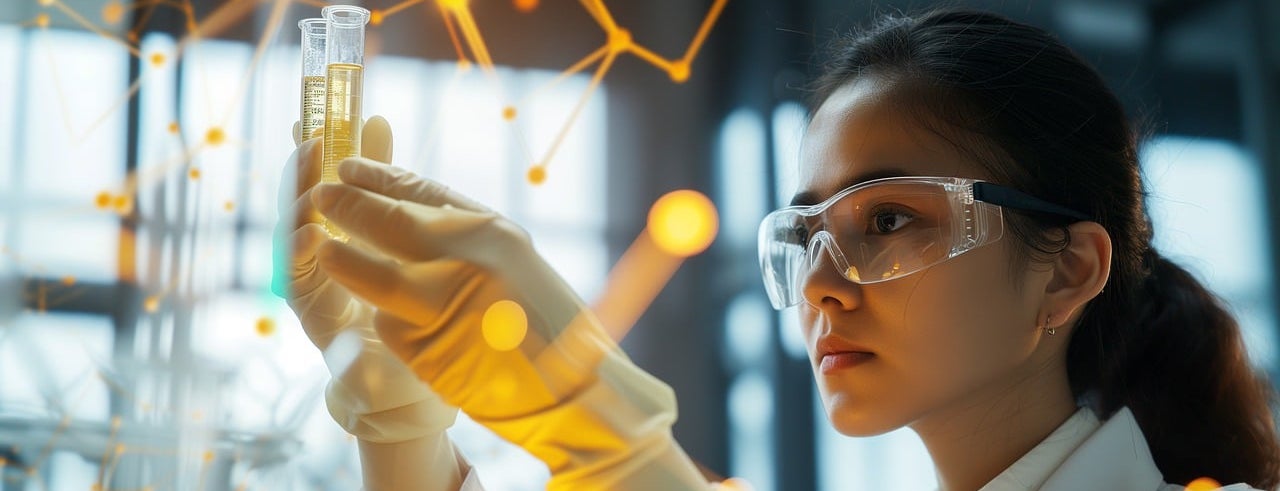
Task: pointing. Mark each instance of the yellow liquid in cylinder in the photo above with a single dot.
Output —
(312, 105)
(341, 125)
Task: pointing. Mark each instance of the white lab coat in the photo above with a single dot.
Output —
(1085, 454)
(1081, 454)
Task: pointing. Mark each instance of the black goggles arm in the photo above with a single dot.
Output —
(1018, 200)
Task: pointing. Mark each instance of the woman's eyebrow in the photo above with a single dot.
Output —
(806, 198)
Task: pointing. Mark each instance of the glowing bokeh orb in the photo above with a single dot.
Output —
(265, 326)
(526, 6)
(42, 20)
(683, 223)
(619, 40)
(123, 204)
(157, 59)
(537, 175)
(1203, 484)
(509, 113)
(194, 173)
(215, 136)
(102, 200)
(112, 12)
(679, 71)
(376, 17)
(504, 325)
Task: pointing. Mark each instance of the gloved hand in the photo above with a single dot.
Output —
(560, 389)
(372, 395)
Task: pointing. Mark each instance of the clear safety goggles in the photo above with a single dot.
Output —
(886, 229)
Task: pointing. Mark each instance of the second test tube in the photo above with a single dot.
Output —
(344, 58)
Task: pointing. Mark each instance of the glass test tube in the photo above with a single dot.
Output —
(313, 73)
(344, 58)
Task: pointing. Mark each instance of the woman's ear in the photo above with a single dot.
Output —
(1079, 272)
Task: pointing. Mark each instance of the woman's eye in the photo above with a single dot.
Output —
(889, 221)
(801, 234)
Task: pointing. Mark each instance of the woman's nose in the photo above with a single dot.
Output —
(824, 285)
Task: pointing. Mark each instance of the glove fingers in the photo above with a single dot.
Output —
(376, 279)
(301, 172)
(375, 140)
(405, 230)
(305, 242)
(401, 184)
(425, 291)
(302, 212)
(397, 335)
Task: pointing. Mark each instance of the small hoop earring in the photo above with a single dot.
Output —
(1050, 330)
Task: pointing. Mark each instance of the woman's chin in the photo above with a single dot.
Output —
(857, 420)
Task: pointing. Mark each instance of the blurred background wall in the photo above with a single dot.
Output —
(139, 165)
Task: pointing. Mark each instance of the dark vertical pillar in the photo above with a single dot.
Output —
(1260, 97)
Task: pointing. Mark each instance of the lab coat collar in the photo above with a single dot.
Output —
(1115, 457)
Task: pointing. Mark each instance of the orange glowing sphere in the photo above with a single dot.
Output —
(504, 325)
(1203, 484)
(526, 6)
(683, 223)
(537, 175)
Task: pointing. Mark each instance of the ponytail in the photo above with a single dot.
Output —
(1179, 364)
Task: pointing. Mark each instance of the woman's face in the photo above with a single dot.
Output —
(949, 336)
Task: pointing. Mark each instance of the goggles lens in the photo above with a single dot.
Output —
(873, 232)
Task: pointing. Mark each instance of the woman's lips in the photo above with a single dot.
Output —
(832, 362)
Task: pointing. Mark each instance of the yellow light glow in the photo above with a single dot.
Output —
(509, 113)
(504, 325)
(42, 20)
(112, 12)
(265, 326)
(619, 40)
(1203, 484)
(102, 200)
(122, 204)
(194, 173)
(68, 280)
(683, 223)
(735, 484)
(679, 71)
(157, 59)
(215, 136)
(173, 127)
(452, 4)
(229, 206)
(526, 6)
(537, 175)
(375, 17)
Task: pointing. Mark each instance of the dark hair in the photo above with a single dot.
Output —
(1041, 120)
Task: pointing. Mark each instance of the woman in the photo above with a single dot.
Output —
(970, 256)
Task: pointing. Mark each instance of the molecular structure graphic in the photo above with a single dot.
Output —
(680, 224)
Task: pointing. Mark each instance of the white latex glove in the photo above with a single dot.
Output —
(566, 393)
(399, 421)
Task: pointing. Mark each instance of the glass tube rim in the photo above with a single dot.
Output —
(352, 16)
(314, 25)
